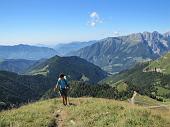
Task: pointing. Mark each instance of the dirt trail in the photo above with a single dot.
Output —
(132, 100)
(61, 114)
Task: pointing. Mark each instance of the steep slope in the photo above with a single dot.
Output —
(160, 65)
(141, 79)
(84, 112)
(115, 54)
(17, 89)
(16, 65)
(74, 67)
(66, 49)
(26, 52)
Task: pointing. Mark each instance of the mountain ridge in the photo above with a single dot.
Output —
(74, 67)
(114, 54)
(66, 49)
(16, 65)
(28, 52)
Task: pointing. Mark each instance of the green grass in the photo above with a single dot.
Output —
(162, 63)
(146, 101)
(113, 113)
(39, 114)
(162, 91)
(121, 86)
(44, 71)
(87, 112)
(167, 101)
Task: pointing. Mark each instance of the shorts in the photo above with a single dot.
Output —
(63, 92)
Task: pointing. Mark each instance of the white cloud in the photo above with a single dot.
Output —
(94, 14)
(94, 19)
(116, 33)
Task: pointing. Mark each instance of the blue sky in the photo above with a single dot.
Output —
(60, 21)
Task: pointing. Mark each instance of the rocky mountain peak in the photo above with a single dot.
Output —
(152, 36)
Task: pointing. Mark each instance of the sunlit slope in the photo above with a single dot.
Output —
(74, 67)
(161, 65)
(85, 112)
(143, 80)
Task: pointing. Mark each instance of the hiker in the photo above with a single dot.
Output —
(63, 87)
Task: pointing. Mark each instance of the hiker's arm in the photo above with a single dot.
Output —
(56, 86)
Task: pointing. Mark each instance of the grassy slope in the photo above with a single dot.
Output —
(139, 78)
(164, 66)
(147, 101)
(162, 91)
(87, 112)
(162, 63)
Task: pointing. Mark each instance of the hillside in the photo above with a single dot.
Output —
(115, 54)
(84, 112)
(149, 83)
(74, 67)
(161, 65)
(17, 89)
(26, 52)
(16, 65)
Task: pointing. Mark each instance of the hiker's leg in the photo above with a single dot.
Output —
(66, 99)
(66, 96)
(63, 100)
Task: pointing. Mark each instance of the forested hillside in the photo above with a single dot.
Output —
(151, 83)
(16, 65)
(18, 89)
(74, 68)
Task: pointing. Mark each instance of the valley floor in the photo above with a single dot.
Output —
(84, 112)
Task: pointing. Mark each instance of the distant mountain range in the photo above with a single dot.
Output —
(74, 67)
(16, 65)
(115, 54)
(26, 52)
(65, 49)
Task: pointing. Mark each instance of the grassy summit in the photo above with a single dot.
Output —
(161, 65)
(86, 112)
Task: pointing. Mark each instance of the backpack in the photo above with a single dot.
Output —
(67, 86)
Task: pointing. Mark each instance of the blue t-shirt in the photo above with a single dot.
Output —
(62, 83)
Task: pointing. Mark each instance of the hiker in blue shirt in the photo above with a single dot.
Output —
(63, 87)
